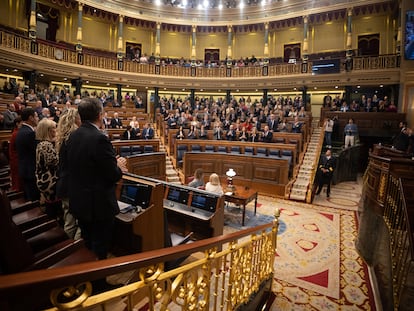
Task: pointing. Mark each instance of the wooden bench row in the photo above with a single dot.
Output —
(269, 176)
(292, 139)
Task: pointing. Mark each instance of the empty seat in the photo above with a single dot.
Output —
(209, 148)
(125, 151)
(222, 149)
(279, 140)
(248, 150)
(148, 149)
(235, 149)
(293, 141)
(275, 153)
(196, 148)
(181, 150)
(261, 152)
(136, 150)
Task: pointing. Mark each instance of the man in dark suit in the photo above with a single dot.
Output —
(93, 173)
(267, 135)
(26, 152)
(147, 132)
(129, 133)
(325, 172)
(116, 122)
(273, 123)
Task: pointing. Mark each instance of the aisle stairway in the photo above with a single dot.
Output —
(305, 177)
(171, 173)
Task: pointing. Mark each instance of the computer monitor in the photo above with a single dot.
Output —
(136, 194)
(204, 202)
(177, 195)
(143, 195)
(128, 194)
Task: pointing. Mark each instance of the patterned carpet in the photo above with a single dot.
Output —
(317, 266)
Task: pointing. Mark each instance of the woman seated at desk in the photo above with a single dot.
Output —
(214, 184)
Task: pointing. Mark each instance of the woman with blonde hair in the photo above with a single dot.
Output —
(68, 122)
(214, 184)
(47, 161)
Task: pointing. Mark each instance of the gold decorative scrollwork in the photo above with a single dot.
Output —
(71, 296)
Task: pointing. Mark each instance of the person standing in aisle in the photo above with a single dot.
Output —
(93, 171)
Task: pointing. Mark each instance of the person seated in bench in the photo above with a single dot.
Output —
(129, 133)
(147, 132)
(231, 133)
(202, 133)
(254, 135)
(243, 135)
(214, 184)
(297, 126)
(116, 122)
(180, 133)
(267, 135)
(198, 180)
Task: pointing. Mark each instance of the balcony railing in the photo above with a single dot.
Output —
(396, 216)
(61, 52)
(234, 269)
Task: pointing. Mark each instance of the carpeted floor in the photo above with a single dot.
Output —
(316, 266)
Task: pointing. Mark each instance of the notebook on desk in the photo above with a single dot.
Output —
(127, 207)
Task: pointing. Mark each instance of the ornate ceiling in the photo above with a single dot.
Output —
(208, 12)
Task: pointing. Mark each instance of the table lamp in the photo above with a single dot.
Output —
(230, 174)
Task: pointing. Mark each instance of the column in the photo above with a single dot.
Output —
(120, 46)
(305, 96)
(156, 100)
(157, 44)
(79, 32)
(398, 43)
(192, 98)
(348, 92)
(32, 20)
(193, 45)
(305, 44)
(228, 96)
(229, 50)
(119, 93)
(77, 83)
(264, 97)
(349, 41)
(266, 50)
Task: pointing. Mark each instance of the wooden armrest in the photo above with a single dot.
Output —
(58, 255)
(31, 232)
(30, 219)
(23, 207)
(15, 195)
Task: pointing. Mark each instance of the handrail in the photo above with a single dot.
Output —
(401, 240)
(48, 50)
(149, 266)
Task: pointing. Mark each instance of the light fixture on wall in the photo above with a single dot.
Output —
(230, 174)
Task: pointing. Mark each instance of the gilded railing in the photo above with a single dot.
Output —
(401, 239)
(50, 51)
(232, 270)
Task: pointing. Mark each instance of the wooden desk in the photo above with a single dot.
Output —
(241, 196)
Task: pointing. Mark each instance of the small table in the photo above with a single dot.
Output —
(242, 196)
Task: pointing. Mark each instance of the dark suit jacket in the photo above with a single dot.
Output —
(93, 173)
(147, 133)
(116, 123)
(267, 138)
(26, 151)
(132, 135)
